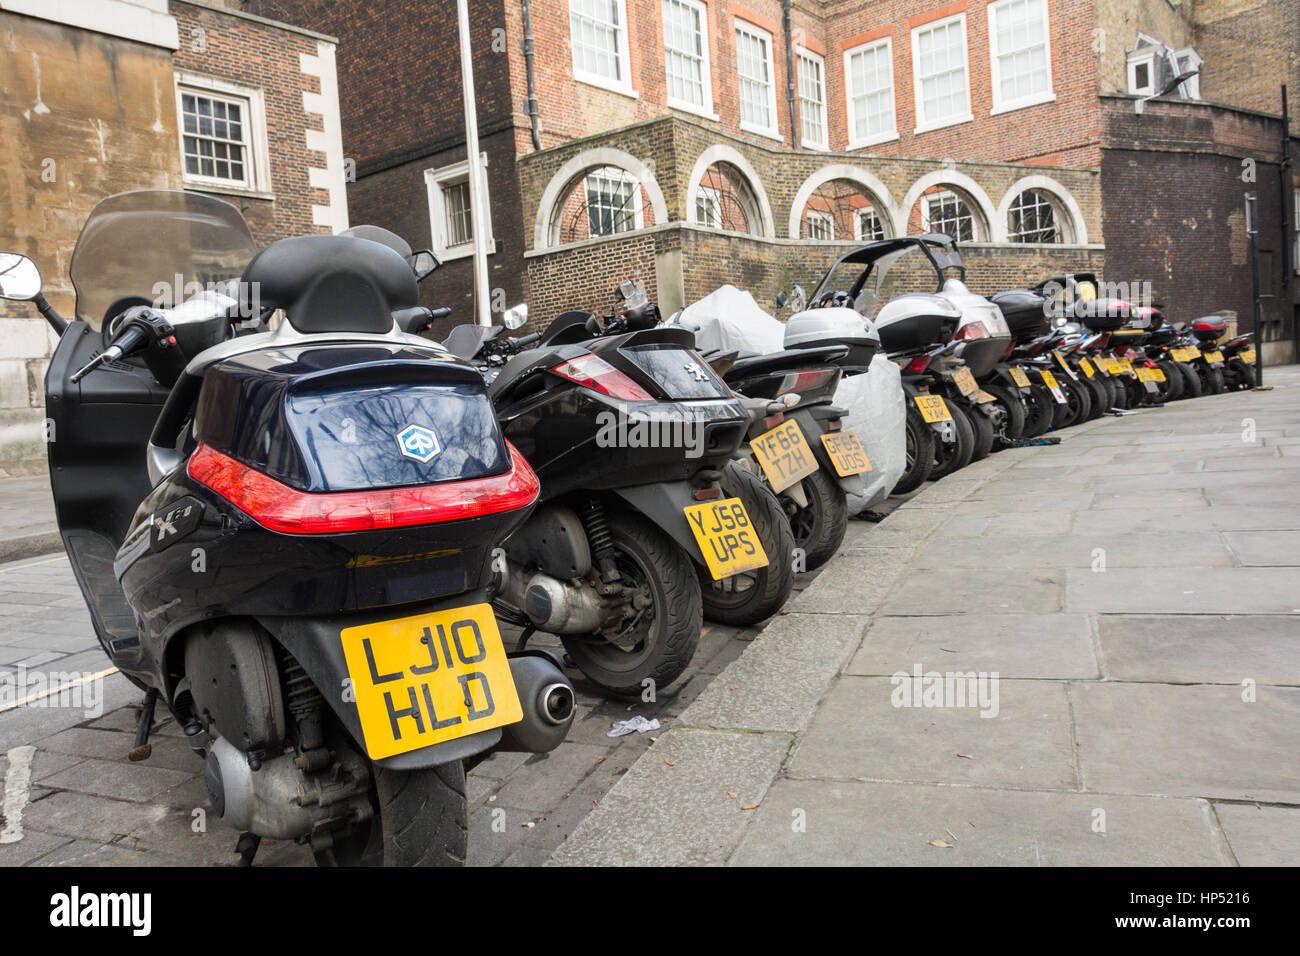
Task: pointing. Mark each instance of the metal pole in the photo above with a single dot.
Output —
(1252, 231)
(789, 72)
(478, 212)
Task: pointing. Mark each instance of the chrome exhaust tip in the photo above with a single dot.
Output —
(556, 703)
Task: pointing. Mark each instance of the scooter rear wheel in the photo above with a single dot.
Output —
(753, 596)
(421, 819)
(983, 429)
(819, 529)
(1191, 381)
(659, 642)
(1015, 411)
(920, 452)
(954, 456)
(1039, 409)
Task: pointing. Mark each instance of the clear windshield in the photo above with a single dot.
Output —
(895, 273)
(164, 245)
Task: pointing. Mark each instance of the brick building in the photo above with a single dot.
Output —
(103, 96)
(692, 142)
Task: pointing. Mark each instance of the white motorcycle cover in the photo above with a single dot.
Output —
(729, 318)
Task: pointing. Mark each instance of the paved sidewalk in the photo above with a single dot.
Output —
(27, 526)
(1132, 598)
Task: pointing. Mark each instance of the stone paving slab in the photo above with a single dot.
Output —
(1265, 548)
(1202, 741)
(1261, 836)
(1188, 549)
(946, 592)
(887, 824)
(1184, 649)
(1180, 591)
(1037, 646)
(858, 733)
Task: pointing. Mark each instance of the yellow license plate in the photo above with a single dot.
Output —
(983, 398)
(784, 454)
(1019, 377)
(1157, 375)
(1048, 378)
(727, 538)
(964, 381)
(847, 454)
(933, 408)
(1248, 357)
(1178, 355)
(1086, 366)
(432, 677)
(1192, 352)
(1214, 358)
(1127, 365)
(1112, 366)
(1144, 374)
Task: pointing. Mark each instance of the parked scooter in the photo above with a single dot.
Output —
(644, 522)
(287, 534)
(1239, 362)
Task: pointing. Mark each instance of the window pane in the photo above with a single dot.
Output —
(213, 144)
(1021, 38)
(871, 92)
(684, 52)
(942, 72)
(612, 198)
(947, 212)
(594, 29)
(455, 200)
(1032, 219)
(812, 100)
(752, 53)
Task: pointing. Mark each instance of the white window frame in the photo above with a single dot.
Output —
(436, 180)
(707, 109)
(1192, 86)
(638, 199)
(995, 69)
(773, 131)
(926, 123)
(710, 196)
(821, 216)
(1144, 55)
(927, 224)
(887, 136)
(801, 54)
(257, 163)
(858, 232)
(624, 86)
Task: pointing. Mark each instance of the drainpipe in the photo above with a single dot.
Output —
(531, 104)
(789, 71)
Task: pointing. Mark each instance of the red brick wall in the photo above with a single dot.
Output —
(264, 56)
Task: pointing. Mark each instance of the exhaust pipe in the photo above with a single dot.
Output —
(548, 701)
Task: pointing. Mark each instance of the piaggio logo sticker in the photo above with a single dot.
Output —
(418, 443)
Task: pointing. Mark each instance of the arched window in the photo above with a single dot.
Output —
(724, 200)
(1033, 217)
(948, 210)
(603, 201)
(842, 209)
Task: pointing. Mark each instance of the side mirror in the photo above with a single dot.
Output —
(20, 280)
(423, 264)
(781, 299)
(517, 317)
(799, 301)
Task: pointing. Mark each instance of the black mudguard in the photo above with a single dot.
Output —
(663, 504)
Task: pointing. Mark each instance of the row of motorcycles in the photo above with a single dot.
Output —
(299, 522)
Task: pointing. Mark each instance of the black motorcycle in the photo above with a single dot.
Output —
(286, 531)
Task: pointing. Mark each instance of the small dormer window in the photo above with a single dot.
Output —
(1141, 73)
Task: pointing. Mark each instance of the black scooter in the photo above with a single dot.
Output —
(631, 433)
(288, 534)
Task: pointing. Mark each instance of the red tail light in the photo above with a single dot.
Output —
(592, 371)
(806, 380)
(278, 507)
(972, 331)
(918, 363)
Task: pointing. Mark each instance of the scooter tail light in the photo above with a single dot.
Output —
(279, 507)
(972, 331)
(806, 381)
(834, 424)
(706, 494)
(919, 363)
(593, 372)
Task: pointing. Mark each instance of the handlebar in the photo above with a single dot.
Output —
(125, 344)
(526, 340)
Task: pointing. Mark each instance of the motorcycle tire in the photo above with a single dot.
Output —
(1212, 380)
(1078, 403)
(983, 429)
(819, 529)
(1192, 387)
(1015, 411)
(1119, 392)
(1097, 395)
(1039, 411)
(767, 588)
(1172, 387)
(664, 643)
(1243, 374)
(421, 819)
(920, 452)
(954, 456)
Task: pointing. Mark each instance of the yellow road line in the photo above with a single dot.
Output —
(51, 691)
(35, 564)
